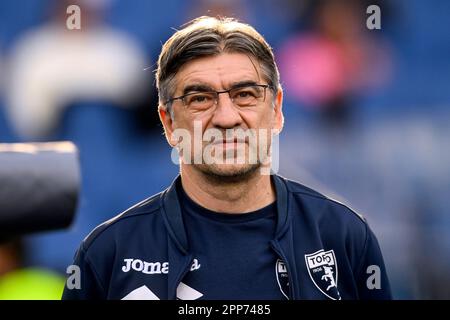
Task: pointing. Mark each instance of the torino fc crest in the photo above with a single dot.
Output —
(322, 269)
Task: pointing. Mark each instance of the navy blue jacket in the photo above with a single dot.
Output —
(325, 250)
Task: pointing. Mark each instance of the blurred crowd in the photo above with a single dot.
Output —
(367, 115)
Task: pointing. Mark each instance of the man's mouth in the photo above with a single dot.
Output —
(229, 143)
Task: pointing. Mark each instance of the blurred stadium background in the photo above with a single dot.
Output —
(367, 117)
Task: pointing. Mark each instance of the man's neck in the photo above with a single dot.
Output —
(247, 195)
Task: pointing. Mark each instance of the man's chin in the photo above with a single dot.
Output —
(231, 172)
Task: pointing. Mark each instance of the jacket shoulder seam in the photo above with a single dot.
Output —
(363, 254)
(94, 271)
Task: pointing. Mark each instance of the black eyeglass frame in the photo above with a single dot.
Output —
(265, 86)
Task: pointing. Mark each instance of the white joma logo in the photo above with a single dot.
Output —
(152, 267)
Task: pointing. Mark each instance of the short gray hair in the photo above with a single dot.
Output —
(208, 36)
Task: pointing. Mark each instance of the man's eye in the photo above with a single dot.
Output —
(244, 94)
(198, 99)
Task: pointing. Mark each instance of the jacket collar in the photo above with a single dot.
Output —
(174, 220)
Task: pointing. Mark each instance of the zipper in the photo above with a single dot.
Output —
(186, 268)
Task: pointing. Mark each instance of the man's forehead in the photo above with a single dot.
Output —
(219, 71)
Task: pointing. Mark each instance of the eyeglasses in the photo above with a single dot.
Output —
(242, 96)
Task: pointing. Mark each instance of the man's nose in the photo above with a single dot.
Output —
(226, 114)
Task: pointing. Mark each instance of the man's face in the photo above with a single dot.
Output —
(234, 137)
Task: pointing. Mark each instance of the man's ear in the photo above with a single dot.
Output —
(278, 120)
(167, 122)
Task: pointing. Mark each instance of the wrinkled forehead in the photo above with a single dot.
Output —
(219, 71)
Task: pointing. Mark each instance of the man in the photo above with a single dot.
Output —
(226, 228)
